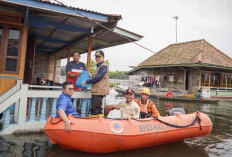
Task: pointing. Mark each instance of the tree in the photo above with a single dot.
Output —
(63, 71)
(118, 75)
(93, 66)
(113, 74)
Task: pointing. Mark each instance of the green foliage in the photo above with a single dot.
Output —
(113, 75)
(114, 84)
(93, 66)
(63, 71)
(118, 75)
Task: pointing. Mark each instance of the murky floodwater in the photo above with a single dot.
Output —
(218, 143)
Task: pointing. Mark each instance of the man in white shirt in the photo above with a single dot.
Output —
(128, 108)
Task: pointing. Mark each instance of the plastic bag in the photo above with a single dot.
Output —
(84, 76)
(114, 114)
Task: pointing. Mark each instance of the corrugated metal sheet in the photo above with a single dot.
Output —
(112, 15)
(57, 24)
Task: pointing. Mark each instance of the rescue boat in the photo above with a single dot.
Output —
(100, 135)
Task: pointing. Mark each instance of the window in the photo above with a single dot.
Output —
(212, 79)
(10, 41)
(205, 78)
(202, 79)
(230, 80)
(224, 80)
(216, 79)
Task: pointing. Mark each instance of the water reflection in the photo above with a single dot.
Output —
(218, 143)
(179, 149)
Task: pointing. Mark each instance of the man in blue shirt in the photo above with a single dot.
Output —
(64, 105)
(74, 69)
(100, 84)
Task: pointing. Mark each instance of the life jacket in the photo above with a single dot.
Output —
(144, 107)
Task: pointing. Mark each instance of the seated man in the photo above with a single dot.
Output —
(147, 107)
(128, 108)
(169, 94)
(64, 105)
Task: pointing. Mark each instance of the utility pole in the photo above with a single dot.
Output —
(176, 17)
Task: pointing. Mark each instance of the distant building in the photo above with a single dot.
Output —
(188, 67)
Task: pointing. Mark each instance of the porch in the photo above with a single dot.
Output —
(28, 109)
(36, 37)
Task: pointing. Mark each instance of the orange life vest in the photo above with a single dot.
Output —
(143, 107)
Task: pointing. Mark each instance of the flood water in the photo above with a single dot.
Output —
(218, 143)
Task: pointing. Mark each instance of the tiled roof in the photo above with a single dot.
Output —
(192, 52)
(112, 15)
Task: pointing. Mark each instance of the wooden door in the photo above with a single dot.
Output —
(30, 57)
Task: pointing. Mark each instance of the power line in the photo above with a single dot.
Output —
(109, 29)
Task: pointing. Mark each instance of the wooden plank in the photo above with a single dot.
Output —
(6, 84)
(89, 53)
(8, 75)
(54, 74)
(2, 85)
(23, 53)
(11, 14)
(11, 23)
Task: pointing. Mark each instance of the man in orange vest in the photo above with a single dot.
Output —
(147, 107)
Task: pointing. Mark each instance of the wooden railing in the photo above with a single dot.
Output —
(33, 105)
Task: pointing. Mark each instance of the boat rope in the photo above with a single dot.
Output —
(55, 122)
(109, 29)
(196, 120)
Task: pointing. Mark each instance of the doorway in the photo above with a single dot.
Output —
(30, 58)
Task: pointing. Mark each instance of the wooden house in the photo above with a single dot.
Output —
(35, 35)
(190, 66)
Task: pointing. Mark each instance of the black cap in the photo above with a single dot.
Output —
(129, 90)
(99, 53)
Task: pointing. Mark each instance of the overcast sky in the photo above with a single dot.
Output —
(198, 19)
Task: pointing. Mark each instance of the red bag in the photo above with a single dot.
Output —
(73, 80)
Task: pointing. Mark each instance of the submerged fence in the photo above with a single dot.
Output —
(28, 109)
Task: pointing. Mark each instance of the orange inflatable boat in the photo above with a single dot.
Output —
(99, 135)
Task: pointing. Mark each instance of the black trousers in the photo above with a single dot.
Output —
(96, 107)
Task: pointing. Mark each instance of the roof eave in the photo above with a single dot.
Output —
(174, 65)
(50, 7)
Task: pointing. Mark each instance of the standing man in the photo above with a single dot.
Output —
(64, 105)
(147, 107)
(100, 84)
(129, 108)
(74, 69)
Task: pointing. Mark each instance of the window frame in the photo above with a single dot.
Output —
(4, 47)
